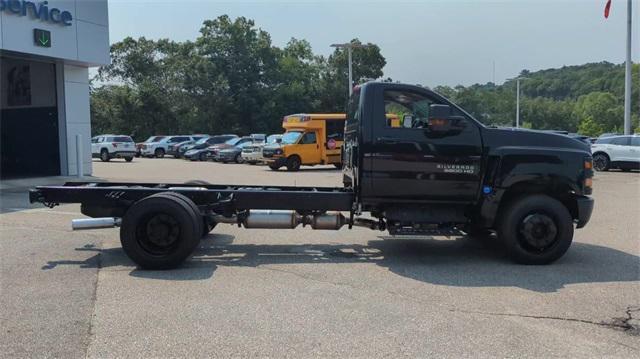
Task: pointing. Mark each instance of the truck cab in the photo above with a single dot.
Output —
(310, 139)
(440, 167)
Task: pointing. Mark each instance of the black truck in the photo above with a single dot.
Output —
(436, 171)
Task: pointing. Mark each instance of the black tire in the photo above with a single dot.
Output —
(206, 226)
(160, 231)
(104, 155)
(202, 156)
(237, 158)
(536, 229)
(601, 162)
(274, 167)
(293, 163)
(159, 153)
(128, 159)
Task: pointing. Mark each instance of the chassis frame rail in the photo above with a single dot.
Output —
(110, 194)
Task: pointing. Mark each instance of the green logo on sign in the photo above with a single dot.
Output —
(42, 38)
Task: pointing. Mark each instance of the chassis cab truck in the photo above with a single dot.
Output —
(439, 171)
(310, 139)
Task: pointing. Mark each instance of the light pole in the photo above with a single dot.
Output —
(627, 77)
(349, 46)
(518, 98)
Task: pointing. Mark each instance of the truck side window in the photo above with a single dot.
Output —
(406, 109)
(309, 138)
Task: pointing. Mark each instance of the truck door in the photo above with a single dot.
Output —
(434, 155)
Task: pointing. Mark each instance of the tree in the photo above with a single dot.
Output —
(367, 64)
(602, 107)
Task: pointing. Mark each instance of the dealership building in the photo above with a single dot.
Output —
(46, 50)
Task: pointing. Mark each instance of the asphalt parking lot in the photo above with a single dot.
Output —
(304, 293)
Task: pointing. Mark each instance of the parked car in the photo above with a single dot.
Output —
(616, 152)
(174, 149)
(212, 151)
(252, 154)
(199, 152)
(233, 153)
(106, 147)
(148, 140)
(159, 149)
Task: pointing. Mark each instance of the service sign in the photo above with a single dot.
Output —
(40, 11)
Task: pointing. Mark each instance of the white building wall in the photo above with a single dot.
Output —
(78, 119)
(73, 49)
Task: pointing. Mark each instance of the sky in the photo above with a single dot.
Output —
(428, 42)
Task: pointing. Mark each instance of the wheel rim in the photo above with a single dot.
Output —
(158, 233)
(538, 232)
(600, 162)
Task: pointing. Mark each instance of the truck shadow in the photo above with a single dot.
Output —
(460, 262)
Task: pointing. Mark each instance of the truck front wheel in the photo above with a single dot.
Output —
(160, 231)
(535, 229)
(293, 163)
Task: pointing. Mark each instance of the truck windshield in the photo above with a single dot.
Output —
(154, 138)
(291, 137)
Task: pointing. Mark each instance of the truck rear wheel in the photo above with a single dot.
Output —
(293, 163)
(161, 231)
(535, 229)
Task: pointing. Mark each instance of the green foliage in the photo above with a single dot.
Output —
(587, 98)
(230, 79)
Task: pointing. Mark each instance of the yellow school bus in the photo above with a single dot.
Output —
(310, 139)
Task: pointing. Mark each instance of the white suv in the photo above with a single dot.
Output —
(106, 147)
(616, 152)
(160, 148)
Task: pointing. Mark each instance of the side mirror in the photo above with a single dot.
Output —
(443, 122)
(278, 140)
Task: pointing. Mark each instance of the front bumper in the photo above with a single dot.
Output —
(148, 151)
(251, 156)
(193, 156)
(585, 208)
(224, 156)
(276, 161)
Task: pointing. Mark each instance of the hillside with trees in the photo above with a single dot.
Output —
(588, 99)
(233, 79)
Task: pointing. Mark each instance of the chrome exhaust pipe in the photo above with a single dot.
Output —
(95, 223)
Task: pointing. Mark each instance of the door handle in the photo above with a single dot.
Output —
(388, 140)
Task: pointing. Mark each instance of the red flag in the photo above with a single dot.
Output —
(607, 9)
